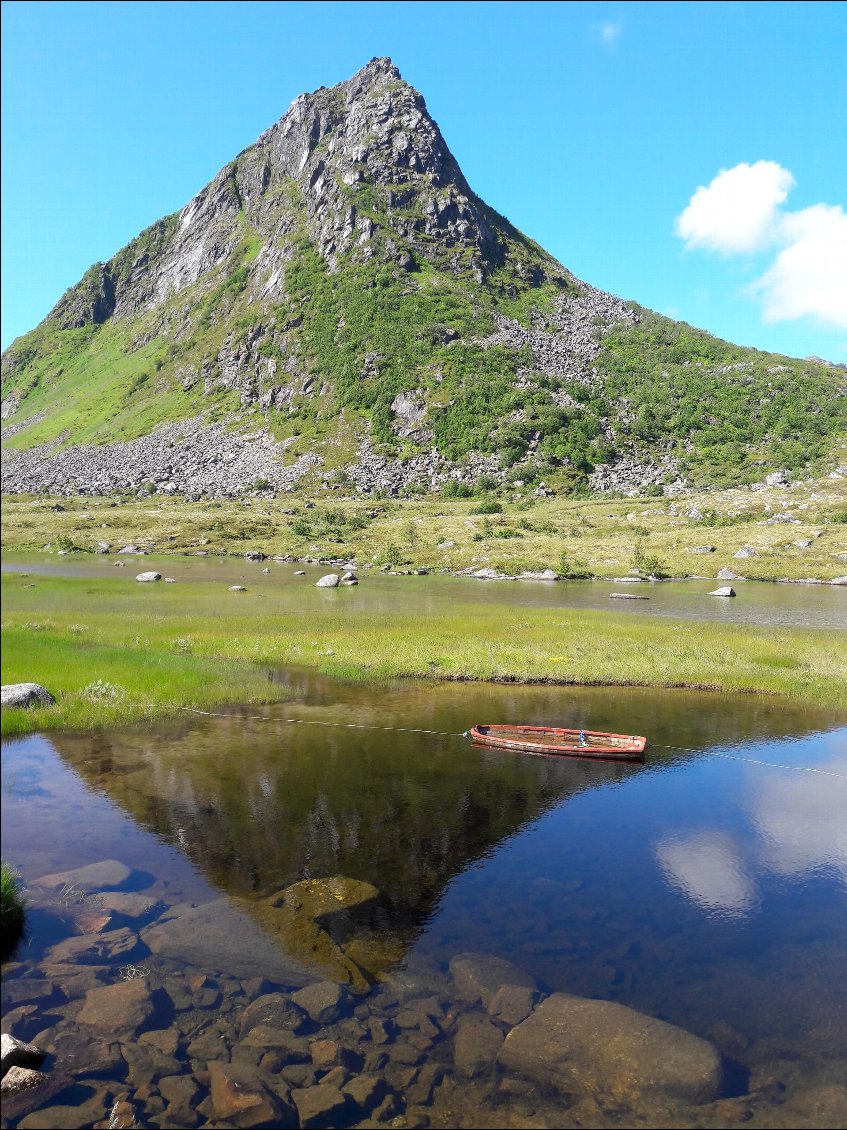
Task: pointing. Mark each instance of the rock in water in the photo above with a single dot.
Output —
(149, 576)
(330, 581)
(25, 694)
(592, 1047)
(724, 590)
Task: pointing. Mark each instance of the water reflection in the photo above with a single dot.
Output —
(706, 867)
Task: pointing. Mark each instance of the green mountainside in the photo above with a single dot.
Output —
(338, 308)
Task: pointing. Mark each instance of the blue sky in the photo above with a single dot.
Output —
(590, 125)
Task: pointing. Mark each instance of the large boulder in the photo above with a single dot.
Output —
(593, 1047)
(26, 694)
(330, 581)
(149, 576)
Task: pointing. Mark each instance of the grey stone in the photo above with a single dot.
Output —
(108, 873)
(121, 1009)
(478, 976)
(627, 596)
(724, 590)
(18, 1079)
(16, 1053)
(149, 576)
(322, 1001)
(25, 695)
(746, 551)
(217, 936)
(776, 478)
(237, 588)
(275, 1010)
(701, 549)
(317, 1106)
(181, 1090)
(727, 574)
(330, 581)
(601, 1048)
(477, 1043)
(366, 1091)
(513, 1003)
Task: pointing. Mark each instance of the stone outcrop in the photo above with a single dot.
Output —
(26, 695)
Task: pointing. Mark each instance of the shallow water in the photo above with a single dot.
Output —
(707, 887)
(775, 605)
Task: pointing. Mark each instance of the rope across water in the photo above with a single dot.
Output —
(464, 734)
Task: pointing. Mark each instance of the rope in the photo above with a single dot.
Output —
(752, 761)
(466, 733)
(336, 725)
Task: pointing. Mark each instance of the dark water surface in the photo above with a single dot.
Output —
(707, 887)
(757, 602)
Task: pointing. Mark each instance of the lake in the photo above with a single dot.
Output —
(775, 605)
(706, 888)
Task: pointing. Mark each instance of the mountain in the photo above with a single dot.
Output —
(338, 308)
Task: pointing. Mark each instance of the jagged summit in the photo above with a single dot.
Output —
(365, 144)
(340, 290)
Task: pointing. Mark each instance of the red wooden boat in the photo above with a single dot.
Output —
(562, 743)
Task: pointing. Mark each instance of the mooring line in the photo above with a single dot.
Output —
(752, 760)
(464, 734)
(336, 725)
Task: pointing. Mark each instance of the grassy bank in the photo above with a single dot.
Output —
(112, 651)
(510, 532)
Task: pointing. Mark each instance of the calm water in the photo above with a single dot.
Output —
(707, 887)
(814, 606)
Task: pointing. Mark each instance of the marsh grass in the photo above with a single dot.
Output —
(12, 907)
(512, 532)
(132, 663)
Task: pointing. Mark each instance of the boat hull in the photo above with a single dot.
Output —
(554, 741)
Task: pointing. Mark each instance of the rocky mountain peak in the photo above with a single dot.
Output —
(367, 155)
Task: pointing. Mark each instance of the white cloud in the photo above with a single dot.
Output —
(707, 867)
(739, 213)
(738, 210)
(809, 276)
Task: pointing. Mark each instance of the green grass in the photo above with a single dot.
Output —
(111, 651)
(12, 907)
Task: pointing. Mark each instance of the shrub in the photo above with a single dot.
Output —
(489, 507)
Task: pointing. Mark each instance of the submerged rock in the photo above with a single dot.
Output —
(125, 1008)
(322, 1001)
(25, 695)
(598, 1047)
(479, 976)
(244, 1096)
(15, 1053)
(93, 877)
(18, 1079)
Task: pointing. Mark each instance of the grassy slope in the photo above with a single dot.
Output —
(163, 647)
